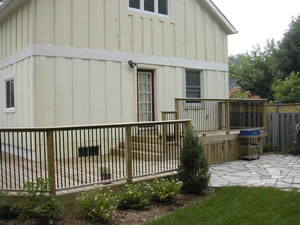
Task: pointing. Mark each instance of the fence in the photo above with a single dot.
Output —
(214, 115)
(85, 155)
(282, 130)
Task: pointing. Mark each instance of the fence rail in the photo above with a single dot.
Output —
(214, 115)
(85, 155)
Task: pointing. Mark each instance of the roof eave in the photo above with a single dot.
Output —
(217, 12)
(9, 6)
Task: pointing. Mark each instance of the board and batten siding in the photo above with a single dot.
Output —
(17, 30)
(191, 32)
(23, 72)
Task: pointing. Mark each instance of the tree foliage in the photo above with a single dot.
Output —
(288, 55)
(256, 69)
(260, 69)
(288, 90)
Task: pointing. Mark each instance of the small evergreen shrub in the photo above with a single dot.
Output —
(38, 204)
(135, 196)
(97, 205)
(165, 191)
(193, 169)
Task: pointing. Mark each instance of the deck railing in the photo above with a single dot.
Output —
(84, 155)
(214, 115)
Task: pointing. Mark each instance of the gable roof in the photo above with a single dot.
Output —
(219, 15)
(233, 81)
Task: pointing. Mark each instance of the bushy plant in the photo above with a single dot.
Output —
(193, 169)
(97, 205)
(3, 203)
(135, 196)
(38, 204)
(165, 190)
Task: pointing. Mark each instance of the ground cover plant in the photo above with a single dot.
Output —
(135, 196)
(239, 206)
(193, 169)
(164, 190)
(97, 205)
(38, 204)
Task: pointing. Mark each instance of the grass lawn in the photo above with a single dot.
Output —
(239, 206)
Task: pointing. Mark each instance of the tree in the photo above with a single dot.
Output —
(288, 55)
(193, 169)
(256, 69)
(288, 90)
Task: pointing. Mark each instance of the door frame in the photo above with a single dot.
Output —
(138, 94)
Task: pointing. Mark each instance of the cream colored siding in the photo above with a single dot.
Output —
(72, 88)
(191, 31)
(24, 100)
(16, 30)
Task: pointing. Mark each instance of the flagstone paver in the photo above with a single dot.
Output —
(279, 171)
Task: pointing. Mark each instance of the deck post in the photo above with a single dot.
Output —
(227, 117)
(51, 164)
(128, 154)
(265, 116)
(177, 118)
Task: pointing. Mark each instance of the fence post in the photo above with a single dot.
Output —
(265, 116)
(51, 165)
(128, 154)
(227, 115)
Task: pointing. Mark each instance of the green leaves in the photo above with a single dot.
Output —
(193, 169)
(288, 90)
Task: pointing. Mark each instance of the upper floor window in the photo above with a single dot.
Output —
(160, 7)
(10, 94)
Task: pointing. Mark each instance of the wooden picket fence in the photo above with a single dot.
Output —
(282, 130)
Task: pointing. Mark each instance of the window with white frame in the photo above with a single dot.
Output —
(193, 84)
(10, 93)
(160, 7)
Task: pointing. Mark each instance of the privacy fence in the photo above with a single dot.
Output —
(85, 155)
(282, 132)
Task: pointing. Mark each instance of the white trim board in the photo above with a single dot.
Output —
(84, 53)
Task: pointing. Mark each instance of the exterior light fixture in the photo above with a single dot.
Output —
(131, 64)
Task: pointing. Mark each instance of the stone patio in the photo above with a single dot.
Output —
(269, 171)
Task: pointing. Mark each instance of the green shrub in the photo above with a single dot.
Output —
(38, 204)
(193, 169)
(267, 148)
(135, 196)
(165, 190)
(292, 151)
(3, 203)
(97, 205)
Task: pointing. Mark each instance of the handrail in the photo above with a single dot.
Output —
(80, 127)
(222, 99)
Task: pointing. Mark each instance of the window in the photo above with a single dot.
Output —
(193, 84)
(88, 151)
(10, 93)
(160, 7)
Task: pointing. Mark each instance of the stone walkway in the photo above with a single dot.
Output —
(270, 171)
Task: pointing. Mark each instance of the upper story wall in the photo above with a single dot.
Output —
(17, 29)
(191, 32)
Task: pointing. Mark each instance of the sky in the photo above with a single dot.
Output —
(257, 21)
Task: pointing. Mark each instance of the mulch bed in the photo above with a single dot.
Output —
(129, 217)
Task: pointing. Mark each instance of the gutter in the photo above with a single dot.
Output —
(8, 7)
